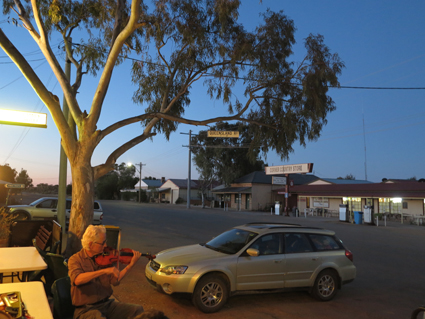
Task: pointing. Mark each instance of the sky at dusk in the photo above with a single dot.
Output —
(373, 133)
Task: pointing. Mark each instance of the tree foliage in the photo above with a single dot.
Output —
(7, 174)
(177, 43)
(110, 185)
(23, 178)
(225, 159)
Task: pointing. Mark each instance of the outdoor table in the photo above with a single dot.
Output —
(33, 296)
(20, 259)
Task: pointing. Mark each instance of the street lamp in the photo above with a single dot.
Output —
(140, 178)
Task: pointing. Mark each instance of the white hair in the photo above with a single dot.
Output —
(91, 234)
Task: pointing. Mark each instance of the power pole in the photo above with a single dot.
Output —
(140, 181)
(63, 162)
(189, 169)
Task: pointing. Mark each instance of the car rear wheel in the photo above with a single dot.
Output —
(21, 215)
(211, 293)
(326, 285)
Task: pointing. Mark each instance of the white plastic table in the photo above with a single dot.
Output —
(33, 296)
(20, 259)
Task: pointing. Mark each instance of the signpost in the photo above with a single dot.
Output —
(234, 134)
(288, 169)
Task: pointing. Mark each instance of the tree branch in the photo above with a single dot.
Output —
(102, 169)
(43, 43)
(50, 100)
(105, 78)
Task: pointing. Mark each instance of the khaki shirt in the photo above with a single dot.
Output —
(92, 291)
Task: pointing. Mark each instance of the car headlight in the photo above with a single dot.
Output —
(173, 270)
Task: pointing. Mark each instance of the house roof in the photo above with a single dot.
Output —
(152, 182)
(343, 181)
(376, 190)
(233, 190)
(260, 177)
(182, 183)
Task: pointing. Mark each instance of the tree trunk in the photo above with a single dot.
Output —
(82, 204)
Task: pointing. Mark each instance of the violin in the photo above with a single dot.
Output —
(111, 256)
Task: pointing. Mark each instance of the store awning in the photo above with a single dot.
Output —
(233, 190)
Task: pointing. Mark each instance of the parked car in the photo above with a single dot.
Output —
(46, 208)
(254, 256)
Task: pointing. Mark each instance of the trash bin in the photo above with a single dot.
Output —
(358, 217)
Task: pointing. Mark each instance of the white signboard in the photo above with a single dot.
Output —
(290, 169)
(223, 134)
(15, 186)
(277, 180)
(321, 202)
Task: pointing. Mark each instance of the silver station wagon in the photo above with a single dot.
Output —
(46, 208)
(254, 256)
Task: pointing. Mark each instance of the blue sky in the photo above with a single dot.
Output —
(382, 44)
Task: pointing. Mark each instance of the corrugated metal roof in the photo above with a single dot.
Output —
(233, 190)
(345, 181)
(377, 190)
(260, 177)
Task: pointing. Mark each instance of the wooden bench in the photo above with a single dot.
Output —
(42, 239)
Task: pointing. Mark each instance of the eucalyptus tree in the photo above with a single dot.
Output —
(226, 159)
(177, 43)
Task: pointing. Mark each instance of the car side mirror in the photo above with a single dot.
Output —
(253, 252)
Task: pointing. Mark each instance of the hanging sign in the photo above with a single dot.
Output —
(290, 169)
(223, 134)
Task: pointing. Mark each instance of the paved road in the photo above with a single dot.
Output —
(390, 264)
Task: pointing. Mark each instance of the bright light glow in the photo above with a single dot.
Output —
(22, 118)
(396, 200)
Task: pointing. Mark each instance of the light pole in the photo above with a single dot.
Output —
(140, 178)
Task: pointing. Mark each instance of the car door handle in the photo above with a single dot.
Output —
(278, 261)
(315, 258)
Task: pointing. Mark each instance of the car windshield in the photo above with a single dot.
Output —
(231, 241)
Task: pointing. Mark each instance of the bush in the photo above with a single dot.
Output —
(180, 200)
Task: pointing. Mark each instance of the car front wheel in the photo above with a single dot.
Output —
(21, 215)
(326, 285)
(211, 293)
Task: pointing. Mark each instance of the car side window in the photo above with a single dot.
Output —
(270, 244)
(297, 243)
(68, 204)
(50, 203)
(323, 242)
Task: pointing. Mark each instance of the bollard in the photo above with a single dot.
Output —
(385, 220)
(271, 210)
(377, 221)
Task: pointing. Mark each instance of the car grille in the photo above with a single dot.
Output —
(154, 265)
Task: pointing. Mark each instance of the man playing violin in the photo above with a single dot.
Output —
(91, 284)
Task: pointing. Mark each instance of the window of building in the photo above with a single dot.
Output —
(354, 203)
(405, 205)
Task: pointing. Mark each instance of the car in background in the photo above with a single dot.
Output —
(254, 257)
(46, 208)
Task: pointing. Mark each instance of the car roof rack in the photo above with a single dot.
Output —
(279, 225)
(272, 225)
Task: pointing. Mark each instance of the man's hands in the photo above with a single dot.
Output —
(113, 272)
(136, 257)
